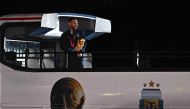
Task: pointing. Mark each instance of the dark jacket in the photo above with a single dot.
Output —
(65, 40)
(74, 62)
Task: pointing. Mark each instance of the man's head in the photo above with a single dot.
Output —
(73, 23)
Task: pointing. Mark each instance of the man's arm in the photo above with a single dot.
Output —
(63, 44)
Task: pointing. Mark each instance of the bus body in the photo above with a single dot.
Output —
(103, 90)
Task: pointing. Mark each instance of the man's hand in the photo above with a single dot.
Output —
(78, 49)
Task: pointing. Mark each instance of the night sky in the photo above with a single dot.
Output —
(122, 13)
(132, 22)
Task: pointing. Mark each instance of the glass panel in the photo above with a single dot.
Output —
(20, 49)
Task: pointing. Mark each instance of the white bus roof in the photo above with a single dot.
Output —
(50, 20)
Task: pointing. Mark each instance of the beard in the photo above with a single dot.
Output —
(74, 28)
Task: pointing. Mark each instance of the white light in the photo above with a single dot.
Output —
(21, 60)
(137, 59)
(112, 94)
(78, 16)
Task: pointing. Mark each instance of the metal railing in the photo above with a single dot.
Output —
(123, 61)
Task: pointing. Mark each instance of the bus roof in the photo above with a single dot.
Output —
(37, 17)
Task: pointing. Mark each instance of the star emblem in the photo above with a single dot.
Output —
(144, 84)
(158, 85)
(151, 84)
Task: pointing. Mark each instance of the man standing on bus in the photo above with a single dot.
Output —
(68, 43)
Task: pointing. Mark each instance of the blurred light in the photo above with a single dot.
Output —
(112, 94)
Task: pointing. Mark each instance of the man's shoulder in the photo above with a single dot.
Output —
(65, 33)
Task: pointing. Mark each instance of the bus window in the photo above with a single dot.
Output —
(24, 48)
(19, 48)
(29, 46)
(16, 43)
(26, 45)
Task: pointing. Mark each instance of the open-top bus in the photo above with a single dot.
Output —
(32, 75)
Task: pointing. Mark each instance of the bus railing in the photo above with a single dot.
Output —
(109, 60)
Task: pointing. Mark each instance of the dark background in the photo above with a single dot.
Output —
(122, 13)
(156, 23)
(148, 27)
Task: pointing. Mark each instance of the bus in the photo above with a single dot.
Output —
(34, 71)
